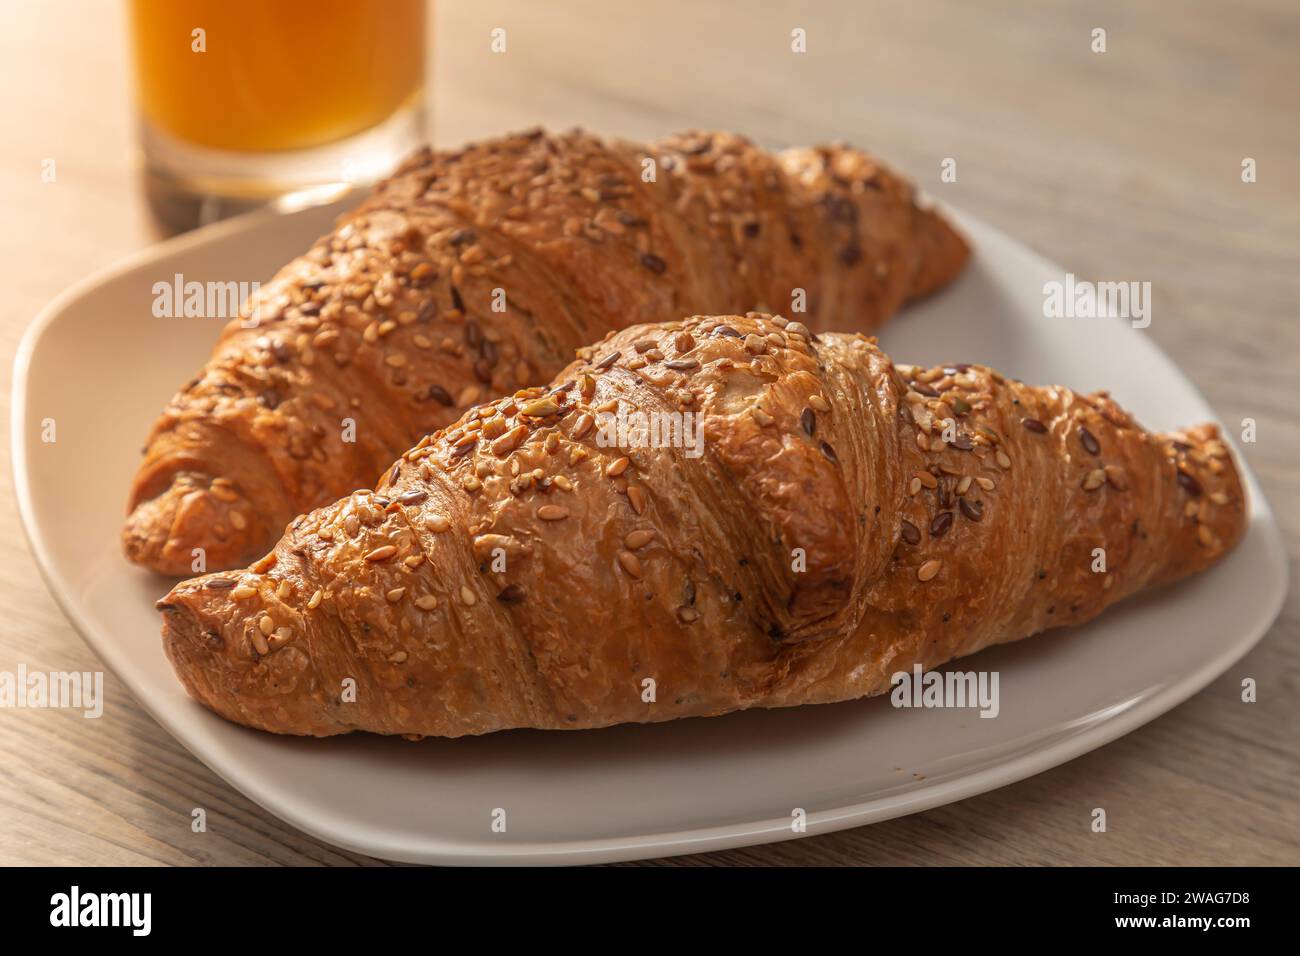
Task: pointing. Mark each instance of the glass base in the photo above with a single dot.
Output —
(188, 186)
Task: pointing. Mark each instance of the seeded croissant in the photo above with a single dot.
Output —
(474, 273)
(846, 520)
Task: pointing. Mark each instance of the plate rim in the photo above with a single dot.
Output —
(1037, 759)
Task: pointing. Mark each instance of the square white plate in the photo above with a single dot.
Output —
(101, 366)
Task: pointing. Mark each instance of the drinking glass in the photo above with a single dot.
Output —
(246, 101)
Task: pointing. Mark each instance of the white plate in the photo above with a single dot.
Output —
(98, 363)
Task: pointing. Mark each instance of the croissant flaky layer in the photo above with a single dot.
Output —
(473, 273)
(809, 520)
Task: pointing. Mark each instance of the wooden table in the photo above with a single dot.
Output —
(1124, 164)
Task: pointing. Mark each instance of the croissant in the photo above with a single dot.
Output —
(474, 273)
(839, 519)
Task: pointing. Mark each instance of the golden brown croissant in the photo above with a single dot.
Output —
(474, 273)
(846, 520)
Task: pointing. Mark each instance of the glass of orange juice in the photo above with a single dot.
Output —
(244, 101)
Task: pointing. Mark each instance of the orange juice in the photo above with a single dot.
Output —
(273, 75)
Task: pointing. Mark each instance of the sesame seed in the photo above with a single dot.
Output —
(552, 513)
(266, 625)
(819, 403)
(927, 479)
(617, 467)
(798, 328)
(1003, 460)
(914, 486)
(243, 591)
(426, 602)
(963, 486)
(437, 523)
(985, 483)
(630, 563)
(922, 442)
(761, 417)
(314, 601)
(583, 425)
(259, 642)
(1094, 479)
(284, 590)
(468, 597)
(638, 539)
(928, 570)
(688, 615)
(382, 553)
(238, 520)
(1116, 477)
(1218, 497)
(1204, 535)
(395, 595)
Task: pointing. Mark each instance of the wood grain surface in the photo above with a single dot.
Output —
(1125, 164)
